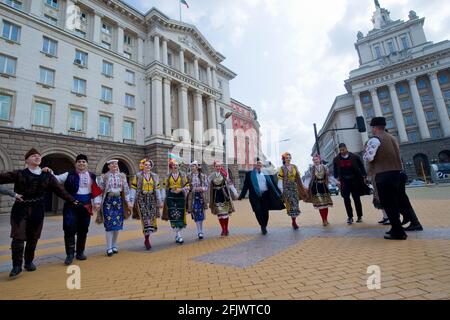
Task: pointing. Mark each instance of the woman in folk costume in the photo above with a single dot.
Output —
(291, 187)
(318, 189)
(176, 188)
(220, 200)
(147, 199)
(196, 199)
(116, 204)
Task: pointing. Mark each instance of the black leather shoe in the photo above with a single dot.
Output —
(405, 221)
(81, 256)
(264, 230)
(15, 272)
(390, 237)
(115, 250)
(69, 260)
(414, 228)
(359, 220)
(30, 267)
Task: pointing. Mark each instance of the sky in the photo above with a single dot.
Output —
(292, 56)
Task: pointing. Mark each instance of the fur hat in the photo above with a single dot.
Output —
(378, 122)
(81, 157)
(31, 152)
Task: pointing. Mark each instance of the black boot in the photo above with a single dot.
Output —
(30, 267)
(413, 227)
(81, 244)
(69, 241)
(17, 248)
(15, 272)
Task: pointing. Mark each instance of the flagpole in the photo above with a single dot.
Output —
(179, 2)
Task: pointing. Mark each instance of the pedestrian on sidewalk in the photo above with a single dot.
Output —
(146, 195)
(291, 187)
(220, 196)
(27, 216)
(176, 189)
(116, 204)
(264, 194)
(82, 185)
(196, 199)
(349, 170)
(318, 189)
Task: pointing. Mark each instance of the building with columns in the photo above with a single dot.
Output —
(102, 78)
(404, 77)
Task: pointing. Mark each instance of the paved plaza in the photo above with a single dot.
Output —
(313, 262)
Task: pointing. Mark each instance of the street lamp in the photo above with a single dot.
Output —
(226, 117)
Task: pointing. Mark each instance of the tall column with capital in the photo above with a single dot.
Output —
(183, 111)
(157, 105)
(398, 115)
(140, 50)
(196, 69)
(214, 78)
(359, 113)
(212, 121)
(418, 108)
(164, 51)
(376, 103)
(198, 118)
(440, 104)
(209, 75)
(96, 37)
(182, 60)
(167, 109)
(120, 40)
(156, 48)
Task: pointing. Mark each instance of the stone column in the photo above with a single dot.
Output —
(209, 76)
(97, 26)
(212, 121)
(167, 109)
(376, 103)
(140, 50)
(198, 118)
(183, 111)
(156, 48)
(441, 107)
(398, 115)
(196, 69)
(70, 17)
(182, 60)
(418, 108)
(359, 113)
(214, 78)
(120, 39)
(157, 105)
(164, 51)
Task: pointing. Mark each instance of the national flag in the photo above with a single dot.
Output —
(185, 3)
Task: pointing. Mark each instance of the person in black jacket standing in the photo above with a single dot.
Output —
(264, 194)
(350, 171)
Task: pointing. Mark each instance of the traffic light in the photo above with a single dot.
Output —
(361, 124)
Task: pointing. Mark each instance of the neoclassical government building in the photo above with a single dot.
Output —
(405, 78)
(102, 78)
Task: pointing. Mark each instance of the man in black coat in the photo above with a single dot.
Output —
(264, 194)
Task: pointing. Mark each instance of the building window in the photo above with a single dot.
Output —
(127, 40)
(81, 58)
(7, 65)
(49, 46)
(377, 52)
(14, 3)
(409, 119)
(422, 84)
(443, 78)
(106, 45)
(129, 101)
(79, 86)
(42, 114)
(435, 133)
(430, 115)
(383, 94)
(76, 120)
(219, 84)
(51, 20)
(53, 3)
(370, 113)
(426, 100)
(405, 104)
(106, 94)
(80, 33)
(47, 76)
(389, 123)
(105, 126)
(106, 29)
(127, 55)
(447, 95)
(83, 17)
(386, 108)
(405, 43)
(11, 31)
(107, 69)
(5, 106)
(391, 48)
(128, 130)
(130, 77)
(412, 136)
(170, 59)
(366, 99)
(401, 89)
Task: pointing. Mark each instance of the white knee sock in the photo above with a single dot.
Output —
(109, 240)
(114, 240)
(385, 216)
(178, 232)
(199, 226)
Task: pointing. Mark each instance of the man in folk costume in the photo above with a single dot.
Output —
(82, 185)
(116, 204)
(291, 187)
(10, 193)
(220, 196)
(196, 199)
(264, 194)
(147, 198)
(27, 216)
(176, 188)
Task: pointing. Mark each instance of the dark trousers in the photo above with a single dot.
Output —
(75, 223)
(350, 187)
(405, 205)
(389, 187)
(262, 211)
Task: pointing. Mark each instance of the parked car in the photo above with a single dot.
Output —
(334, 189)
(416, 183)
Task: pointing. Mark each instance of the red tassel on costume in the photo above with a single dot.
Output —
(226, 226)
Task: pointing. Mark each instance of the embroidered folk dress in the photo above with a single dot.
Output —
(288, 182)
(175, 204)
(220, 196)
(115, 193)
(196, 202)
(146, 194)
(318, 187)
